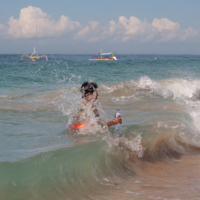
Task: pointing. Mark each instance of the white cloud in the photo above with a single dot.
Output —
(91, 32)
(127, 29)
(84, 31)
(93, 24)
(30, 17)
(189, 32)
(124, 30)
(159, 30)
(165, 24)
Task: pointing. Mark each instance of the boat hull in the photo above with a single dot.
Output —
(103, 59)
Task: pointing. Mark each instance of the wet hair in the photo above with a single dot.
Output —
(88, 87)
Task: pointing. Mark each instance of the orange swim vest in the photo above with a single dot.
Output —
(77, 126)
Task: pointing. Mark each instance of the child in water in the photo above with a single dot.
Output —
(89, 95)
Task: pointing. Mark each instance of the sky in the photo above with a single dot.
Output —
(84, 27)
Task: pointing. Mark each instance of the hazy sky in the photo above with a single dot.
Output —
(82, 27)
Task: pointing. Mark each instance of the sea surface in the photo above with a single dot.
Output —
(155, 156)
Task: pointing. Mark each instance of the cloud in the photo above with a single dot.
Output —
(30, 17)
(189, 32)
(92, 32)
(132, 28)
(159, 30)
(126, 29)
(165, 24)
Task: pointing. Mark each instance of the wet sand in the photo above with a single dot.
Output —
(170, 180)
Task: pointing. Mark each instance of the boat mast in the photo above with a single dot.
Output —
(34, 52)
(35, 39)
(101, 52)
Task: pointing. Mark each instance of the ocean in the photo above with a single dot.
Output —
(155, 156)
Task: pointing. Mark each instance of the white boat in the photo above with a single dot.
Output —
(105, 56)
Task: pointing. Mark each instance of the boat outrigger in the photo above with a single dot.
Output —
(34, 56)
(112, 56)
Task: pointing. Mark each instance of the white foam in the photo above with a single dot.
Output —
(111, 88)
(133, 145)
(146, 83)
(186, 92)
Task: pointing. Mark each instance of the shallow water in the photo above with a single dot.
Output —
(155, 156)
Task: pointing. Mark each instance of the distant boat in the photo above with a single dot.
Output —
(105, 56)
(34, 56)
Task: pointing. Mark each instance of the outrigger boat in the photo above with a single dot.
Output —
(34, 56)
(104, 56)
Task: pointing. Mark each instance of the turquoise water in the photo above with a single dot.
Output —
(158, 96)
